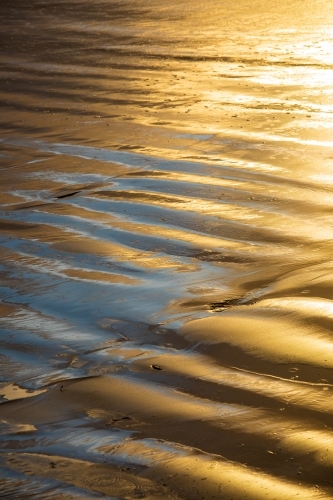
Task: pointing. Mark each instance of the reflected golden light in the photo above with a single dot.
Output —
(166, 249)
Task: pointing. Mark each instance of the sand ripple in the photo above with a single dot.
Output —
(166, 250)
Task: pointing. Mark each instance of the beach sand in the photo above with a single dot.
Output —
(166, 195)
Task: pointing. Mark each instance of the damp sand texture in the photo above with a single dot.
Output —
(166, 193)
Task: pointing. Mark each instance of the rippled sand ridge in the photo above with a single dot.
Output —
(166, 307)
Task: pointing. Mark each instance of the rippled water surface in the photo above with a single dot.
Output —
(166, 178)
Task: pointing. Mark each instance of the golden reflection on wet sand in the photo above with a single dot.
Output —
(166, 270)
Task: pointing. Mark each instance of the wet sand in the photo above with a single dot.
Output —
(166, 250)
